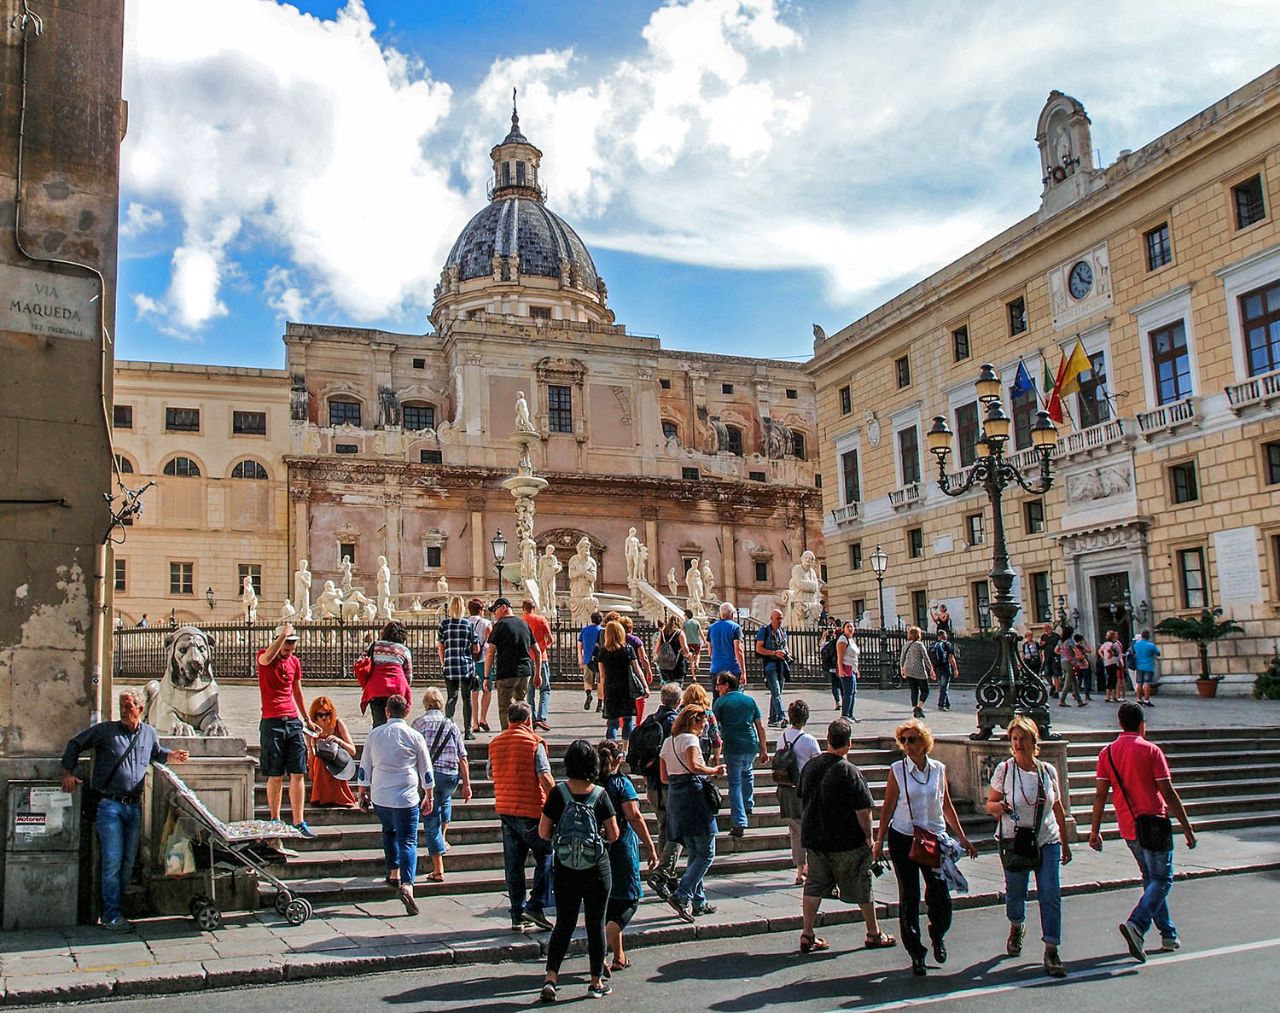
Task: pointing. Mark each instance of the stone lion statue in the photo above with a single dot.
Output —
(184, 700)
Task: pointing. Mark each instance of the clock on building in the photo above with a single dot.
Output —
(1080, 281)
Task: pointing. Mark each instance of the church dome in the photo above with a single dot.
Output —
(521, 226)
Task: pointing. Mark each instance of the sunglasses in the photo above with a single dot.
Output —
(909, 740)
(324, 714)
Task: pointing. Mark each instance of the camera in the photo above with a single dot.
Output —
(877, 868)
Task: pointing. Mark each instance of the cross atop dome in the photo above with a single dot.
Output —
(515, 164)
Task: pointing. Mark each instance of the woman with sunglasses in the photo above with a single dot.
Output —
(325, 788)
(916, 795)
(690, 820)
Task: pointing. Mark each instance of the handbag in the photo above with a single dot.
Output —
(926, 848)
(1153, 833)
(1021, 852)
(639, 687)
(710, 790)
(340, 764)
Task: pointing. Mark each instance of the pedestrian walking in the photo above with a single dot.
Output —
(481, 690)
(394, 763)
(836, 833)
(587, 638)
(577, 823)
(829, 655)
(458, 646)
(671, 652)
(508, 660)
(521, 772)
(624, 853)
(387, 671)
(1074, 663)
(325, 788)
(282, 745)
(449, 768)
(1083, 657)
(796, 747)
(771, 644)
(848, 662)
(917, 812)
(726, 645)
(916, 668)
(744, 740)
(1136, 770)
(642, 656)
(942, 653)
(1026, 800)
(693, 637)
(620, 679)
(1032, 657)
(123, 750)
(1145, 653)
(1113, 678)
(662, 878)
(709, 739)
(540, 688)
(691, 818)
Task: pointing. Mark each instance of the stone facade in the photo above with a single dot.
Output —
(1167, 472)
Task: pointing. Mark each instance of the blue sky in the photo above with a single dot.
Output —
(739, 168)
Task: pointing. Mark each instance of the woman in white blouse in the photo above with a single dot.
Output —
(916, 795)
(1020, 786)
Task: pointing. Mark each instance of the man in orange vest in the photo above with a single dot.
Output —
(521, 772)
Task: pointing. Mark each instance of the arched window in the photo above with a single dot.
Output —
(249, 469)
(344, 411)
(182, 467)
(418, 416)
(797, 445)
(735, 440)
(124, 465)
(670, 431)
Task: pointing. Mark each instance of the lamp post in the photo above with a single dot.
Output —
(1009, 687)
(879, 566)
(208, 597)
(499, 546)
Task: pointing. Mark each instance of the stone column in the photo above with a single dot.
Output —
(729, 576)
(479, 550)
(393, 501)
(300, 529)
(650, 515)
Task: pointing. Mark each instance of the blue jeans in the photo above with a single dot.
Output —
(519, 838)
(773, 678)
(742, 788)
(700, 852)
(400, 839)
(1048, 894)
(540, 697)
(434, 824)
(1157, 881)
(848, 695)
(628, 725)
(944, 684)
(118, 828)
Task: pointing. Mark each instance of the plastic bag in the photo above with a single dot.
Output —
(179, 852)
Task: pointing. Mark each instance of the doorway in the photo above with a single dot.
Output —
(1109, 591)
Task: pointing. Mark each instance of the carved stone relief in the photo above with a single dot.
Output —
(1099, 483)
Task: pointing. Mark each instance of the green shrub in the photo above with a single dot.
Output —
(1268, 685)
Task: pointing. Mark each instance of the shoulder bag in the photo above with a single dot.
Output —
(1153, 833)
(926, 848)
(89, 800)
(1021, 852)
(710, 790)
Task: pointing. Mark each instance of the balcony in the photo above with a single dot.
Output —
(907, 496)
(1259, 390)
(848, 514)
(1168, 418)
(1103, 436)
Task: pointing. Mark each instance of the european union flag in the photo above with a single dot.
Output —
(1022, 381)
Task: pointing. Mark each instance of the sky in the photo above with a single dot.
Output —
(739, 169)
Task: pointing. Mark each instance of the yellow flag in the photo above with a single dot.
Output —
(1069, 381)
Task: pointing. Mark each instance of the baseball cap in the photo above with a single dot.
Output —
(498, 602)
(291, 636)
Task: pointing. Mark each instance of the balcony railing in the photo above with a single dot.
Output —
(1257, 390)
(908, 496)
(1167, 418)
(850, 513)
(959, 477)
(1099, 437)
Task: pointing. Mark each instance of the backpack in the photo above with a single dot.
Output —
(938, 656)
(1131, 660)
(646, 744)
(829, 652)
(667, 658)
(786, 768)
(577, 842)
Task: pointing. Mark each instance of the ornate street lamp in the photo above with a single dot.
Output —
(499, 546)
(1009, 687)
(879, 566)
(208, 597)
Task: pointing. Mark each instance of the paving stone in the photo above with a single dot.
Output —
(415, 955)
(132, 953)
(162, 979)
(729, 930)
(302, 966)
(495, 951)
(230, 972)
(182, 952)
(39, 989)
(20, 963)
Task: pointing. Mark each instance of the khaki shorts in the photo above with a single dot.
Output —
(846, 873)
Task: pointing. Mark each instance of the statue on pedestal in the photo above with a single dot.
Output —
(442, 584)
(549, 568)
(345, 568)
(806, 591)
(287, 612)
(582, 583)
(357, 606)
(249, 600)
(693, 588)
(631, 552)
(329, 604)
(302, 591)
(708, 580)
(384, 604)
(528, 559)
(523, 423)
(673, 582)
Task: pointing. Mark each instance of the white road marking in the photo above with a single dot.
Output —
(1042, 980)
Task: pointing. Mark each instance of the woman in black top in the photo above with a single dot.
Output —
(617, 661)
(579, 888)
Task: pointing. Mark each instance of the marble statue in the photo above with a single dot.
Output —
(708, 580)
(582, 583)
(442, 584)
(528, 559)
(416, 604)
(549, 568)
(631, 551)
(302, 591)
(693, 588)
(523, 424)
(249, 600)
(806, 591)
(287, 612)
(673, 582)
(356, 605)
(184, 700)
(1062, 146)
(644, 562)
(329, 603)
(345, 568)
(385, 607)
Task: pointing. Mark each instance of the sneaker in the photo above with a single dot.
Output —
(1134, 939)
(305, 830)
(737, 831)
(548, 993)
(1170, 943)
(1150, 704)
(1013, 946)
(678, 906)
(120, 924)
(599, 706)
(587, 705)
(658, 884)
(917, 712)
(599, 991)
(705, 909)
(534, 916)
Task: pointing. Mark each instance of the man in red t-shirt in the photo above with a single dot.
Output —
(284, 713)
(540, 687)
(1139, 773)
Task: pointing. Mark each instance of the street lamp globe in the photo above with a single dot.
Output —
(939, 437)
(1044, 434)
(208, 596)
(499, 546)
(988, 385)
(996, 425)
(879, 562)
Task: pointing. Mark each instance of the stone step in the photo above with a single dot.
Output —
(1196, 782)
(1179, 760)
(1188, 746)
(1199, 809)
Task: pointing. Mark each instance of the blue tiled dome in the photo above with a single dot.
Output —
(526, 227)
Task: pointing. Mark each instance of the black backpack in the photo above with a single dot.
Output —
(829, 652)
(786, 766)
(645, 745)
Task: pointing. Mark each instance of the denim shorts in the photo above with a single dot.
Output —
(284, 750)
(1142, 678)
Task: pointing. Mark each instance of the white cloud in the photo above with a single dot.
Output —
(284, 294)
(139, 219)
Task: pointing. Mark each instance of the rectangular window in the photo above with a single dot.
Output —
(1017, 315)
(762, 572)
(346, 448)
(1271, 454)
(418, 416)
(1040, 596)
(1191, 578)
(967, 433)
(1260, 320)
(1249, 203)
(251, 570)
(909, 454)
(859, 608)
(846, 401)
(849, 483)
(431, 457)
(559, 409)
(121, 583)
(689, 474)
(981, 591)
(797, 446)
(817, 480)
(664, 383)
(822, 572)
(1092, 400)
(960, 344)
(1183, 487)
(1171, 363)
(122, 416)
(1034, 512)
(915, 543)
(249, 423)
(757, 476)
(735, 440)
(902, 369)
(182, 420)
(726, 388)
(347, 550)
(1159, 250)
(792, 394)
(920, 608)
(855, 556)
(540, 312)
(419, 363)
(519, 174)
(975, 529)
(181, 578)
(1024, 415)
(434, 554)
(344, 413)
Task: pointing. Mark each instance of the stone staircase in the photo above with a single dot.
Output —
(1227, 779)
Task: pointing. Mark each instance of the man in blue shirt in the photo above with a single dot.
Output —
(726, 645)
(587, 639)
(743, 732)
(771, 644)
(1145, 653)
(122, 752)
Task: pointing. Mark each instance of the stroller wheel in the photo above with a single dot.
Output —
(298, 911)
(283, 899)
(209, 918)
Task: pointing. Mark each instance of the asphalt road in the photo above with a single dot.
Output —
(1230, 956)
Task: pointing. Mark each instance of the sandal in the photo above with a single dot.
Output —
(809, 943)
(880, 941)
(392, 881)
(619, 965)
(435, 877)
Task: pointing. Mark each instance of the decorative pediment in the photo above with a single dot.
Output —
(347, 533)
(560, 370)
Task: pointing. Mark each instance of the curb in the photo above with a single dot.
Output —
(236, 972)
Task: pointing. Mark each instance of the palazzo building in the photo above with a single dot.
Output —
(1165, 265)
(371, 443)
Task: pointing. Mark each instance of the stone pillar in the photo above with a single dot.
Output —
(300, 530)
(650, 515)
(479, 550)
(729, 576)
(393, 501)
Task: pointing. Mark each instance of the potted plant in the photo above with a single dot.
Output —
(1203, 630)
